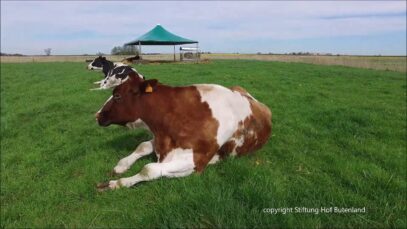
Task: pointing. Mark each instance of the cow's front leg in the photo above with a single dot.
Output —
(177, 166)
(143, 149)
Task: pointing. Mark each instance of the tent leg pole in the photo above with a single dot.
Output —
(139, 48)
(174, 53)
(197, 52)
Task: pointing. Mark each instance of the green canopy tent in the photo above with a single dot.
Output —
(160, 36)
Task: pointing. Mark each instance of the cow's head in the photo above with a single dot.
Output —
(117, 76)
(97, 64)
(124, 105)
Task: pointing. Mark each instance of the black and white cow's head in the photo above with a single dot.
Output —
(98, 63)
(117, 76)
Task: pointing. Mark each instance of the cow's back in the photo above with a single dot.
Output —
(228, 107)
(244, 123)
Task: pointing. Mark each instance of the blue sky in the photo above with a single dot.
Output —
(73, 27)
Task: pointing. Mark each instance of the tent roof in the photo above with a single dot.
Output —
(160, 36)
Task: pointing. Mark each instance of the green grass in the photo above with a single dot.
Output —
(339, 139)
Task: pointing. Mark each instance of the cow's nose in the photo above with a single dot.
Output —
(97, 115)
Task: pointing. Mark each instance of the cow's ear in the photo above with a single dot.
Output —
(148, 86)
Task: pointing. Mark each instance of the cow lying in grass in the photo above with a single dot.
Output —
(193, 126)
(115, 73)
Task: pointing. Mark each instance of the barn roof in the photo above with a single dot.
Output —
(160, 36)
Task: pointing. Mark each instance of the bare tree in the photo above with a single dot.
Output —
(47, 51)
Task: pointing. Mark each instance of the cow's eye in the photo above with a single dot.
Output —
(117, 97)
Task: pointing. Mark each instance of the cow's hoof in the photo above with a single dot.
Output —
(101, 187)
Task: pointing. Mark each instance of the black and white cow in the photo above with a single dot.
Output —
(115, 73)
(101, 63)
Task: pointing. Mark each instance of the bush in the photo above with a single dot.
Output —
(47, 51)
(125, 50)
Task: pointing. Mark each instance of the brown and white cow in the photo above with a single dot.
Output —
(193, 126)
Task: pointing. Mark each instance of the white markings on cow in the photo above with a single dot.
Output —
(137, 124)
(122, 71)
(143, 149)
(251, 96)
(91, 67)
(238, 142)
(178, 163)
(118, 64)
(228, 108)
(112, 81)
(179, 154)
(214, 159)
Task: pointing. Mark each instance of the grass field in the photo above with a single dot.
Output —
(339, 140)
